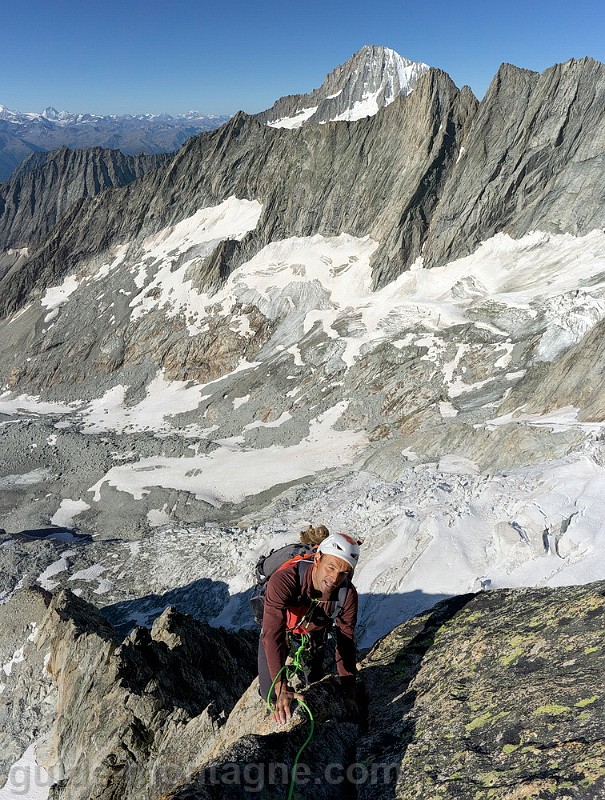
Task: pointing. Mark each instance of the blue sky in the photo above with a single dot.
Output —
(175, 55)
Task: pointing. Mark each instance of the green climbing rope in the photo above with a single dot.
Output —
(304, 745)
(291, 670)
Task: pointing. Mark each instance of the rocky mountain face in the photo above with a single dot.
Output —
(528, 163)
(489, 695)
(24, 133)
(371, 79)
(402, 178)
(46, 185)
(12, 151)
(315, 180)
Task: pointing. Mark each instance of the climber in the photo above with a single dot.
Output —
(306, 595)
(266, 565)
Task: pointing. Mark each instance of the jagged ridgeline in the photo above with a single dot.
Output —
(46, 185)
(434, 173)
(492, 696)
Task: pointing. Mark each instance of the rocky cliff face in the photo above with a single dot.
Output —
(532, 161)
(46, 185)
(495, 698)
(375, 177)
(495, 695)
(151, 703)
(13, 150)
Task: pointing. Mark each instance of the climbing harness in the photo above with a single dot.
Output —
(290, 671)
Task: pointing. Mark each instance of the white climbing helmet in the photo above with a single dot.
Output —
(341, 545)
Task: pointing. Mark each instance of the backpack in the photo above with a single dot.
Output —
(267, 565)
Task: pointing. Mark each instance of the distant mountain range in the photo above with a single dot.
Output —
(22, 134)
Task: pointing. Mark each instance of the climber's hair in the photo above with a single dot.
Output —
(314, 535)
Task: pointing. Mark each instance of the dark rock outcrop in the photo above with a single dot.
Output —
(493, 695)
(576, 374)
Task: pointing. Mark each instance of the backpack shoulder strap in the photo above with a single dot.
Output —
(303, 562)
(342, 596)
(306, 558)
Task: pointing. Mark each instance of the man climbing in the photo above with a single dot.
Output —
(303, 598)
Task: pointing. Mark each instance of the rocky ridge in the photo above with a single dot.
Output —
(46, 185)
(455, 703)
(401, 177)
(161, 694)
(527, 163)
(317, 180)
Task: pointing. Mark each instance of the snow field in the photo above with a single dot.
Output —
(442, 528)
(230, 474)
(436, 533)
(325, 279)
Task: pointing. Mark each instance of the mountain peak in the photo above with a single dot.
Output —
(50, 113)
(368, 81)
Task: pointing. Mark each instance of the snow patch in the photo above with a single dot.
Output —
(16, 659)
(28, 479)
(230, 474)
(57, 296)
(295, 121)
(90, 574)
(28, 404)
(26, 778)
(64, 515)
(61, 565)
(163, 399)
(158, 517)
(188, 243)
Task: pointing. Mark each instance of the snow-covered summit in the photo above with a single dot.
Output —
(370, 80)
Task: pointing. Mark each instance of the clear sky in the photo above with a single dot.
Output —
(172, 56)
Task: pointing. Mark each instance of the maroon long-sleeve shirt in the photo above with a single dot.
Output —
(284, 592)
